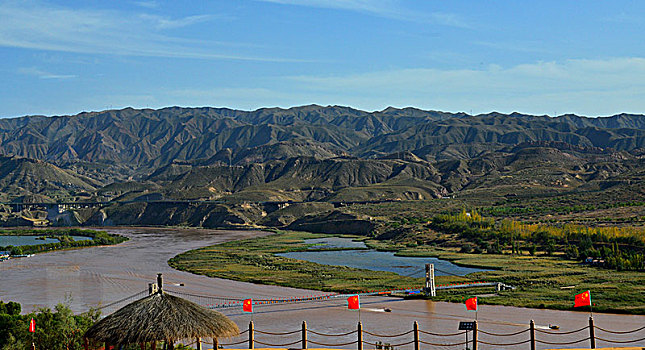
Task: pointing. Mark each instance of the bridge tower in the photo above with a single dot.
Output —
(429, 288)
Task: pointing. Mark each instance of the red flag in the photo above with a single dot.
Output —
(471, 304)
(247, 305)
(353, 302)
(583, 299)
(32, 326)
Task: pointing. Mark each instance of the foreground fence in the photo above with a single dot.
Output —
(527, 338)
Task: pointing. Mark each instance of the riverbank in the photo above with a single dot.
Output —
(254, 261)
(96, 276)
(541, 282)
(64, 237)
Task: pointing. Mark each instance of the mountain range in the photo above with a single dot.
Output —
(311, 154)
(145, 139)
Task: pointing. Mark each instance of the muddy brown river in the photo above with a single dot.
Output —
(97, 276)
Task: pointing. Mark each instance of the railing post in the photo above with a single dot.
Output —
(304, 334)
(159, 283)
(592, 335)
(433, 289)
(475, 336)
(360, 336)
(532, 328)
(199, 343)
(251, 335)
(416, 335)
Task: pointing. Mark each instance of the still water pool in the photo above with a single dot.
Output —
(374, 260)
(32, 240)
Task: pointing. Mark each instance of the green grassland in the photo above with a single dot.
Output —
(540, 281)
(254, 260)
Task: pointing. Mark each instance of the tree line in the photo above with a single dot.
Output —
(64, 237)
(620, 248)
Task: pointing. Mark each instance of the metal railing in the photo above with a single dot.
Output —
(530, 337)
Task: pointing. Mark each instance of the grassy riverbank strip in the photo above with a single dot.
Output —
(65, 240)
(540, 281)
(254, 260)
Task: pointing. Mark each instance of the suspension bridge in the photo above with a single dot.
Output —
(430, 289)
(227, 302)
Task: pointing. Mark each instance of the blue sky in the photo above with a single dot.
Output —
(541, 57)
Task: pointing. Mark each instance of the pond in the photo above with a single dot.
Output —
(374, 260)
(15, 241)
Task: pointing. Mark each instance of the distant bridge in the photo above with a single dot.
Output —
(19, 206)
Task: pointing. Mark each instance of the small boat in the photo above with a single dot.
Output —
(554, 326)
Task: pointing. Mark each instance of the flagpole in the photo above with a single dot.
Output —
(33, 334)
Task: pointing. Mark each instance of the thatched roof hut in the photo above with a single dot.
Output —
(161, 317)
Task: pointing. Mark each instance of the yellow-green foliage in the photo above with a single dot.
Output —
(519, 230)
(622, 248)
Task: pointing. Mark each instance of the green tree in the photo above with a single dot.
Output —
(10, 308)
(57, 329)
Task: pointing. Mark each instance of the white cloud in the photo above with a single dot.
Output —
(169, 23)
(33, 25)
(582, 86)
(591, 87)
(382, 8)
(524, 46)
(147, 4)
(372, 6)
(248, 98)
(33, 71)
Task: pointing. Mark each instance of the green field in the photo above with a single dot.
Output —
(540, 281)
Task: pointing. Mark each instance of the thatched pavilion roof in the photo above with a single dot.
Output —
(158, 317)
